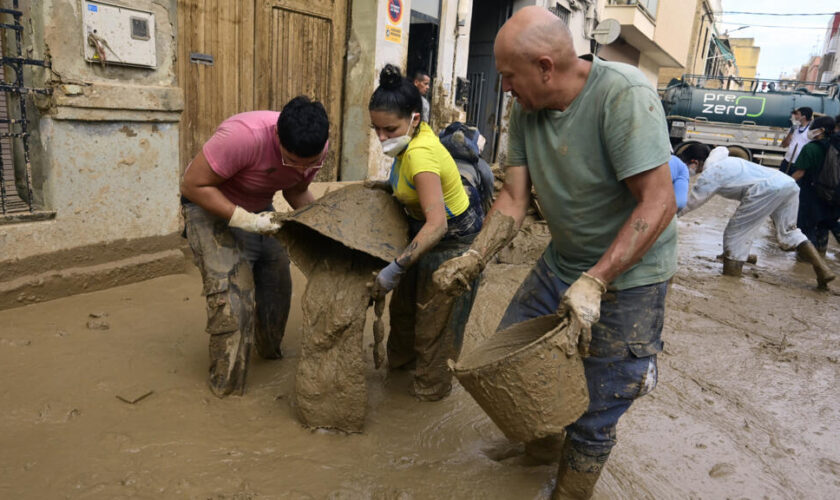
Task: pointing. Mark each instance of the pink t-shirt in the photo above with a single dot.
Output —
(245, 150)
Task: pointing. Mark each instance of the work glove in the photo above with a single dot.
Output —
(582, 303)
(454, 276)
(378, 184)
(386, 280)
(262, 223)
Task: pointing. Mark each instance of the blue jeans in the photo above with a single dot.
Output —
(622, 356)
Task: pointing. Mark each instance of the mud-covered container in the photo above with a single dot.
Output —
(359, 218)
(528, 378)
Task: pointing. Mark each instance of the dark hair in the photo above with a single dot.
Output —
(695, 151)
(395, 94)
(420, 74)
(303, 127)
(824, 122)
(808, 112)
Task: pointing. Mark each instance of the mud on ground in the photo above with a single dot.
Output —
(746, 405)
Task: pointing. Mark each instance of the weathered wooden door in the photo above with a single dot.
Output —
(215, 66)
(300, 47)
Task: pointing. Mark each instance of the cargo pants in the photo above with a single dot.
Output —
(621, 366)
(426, 328)
(248, 289)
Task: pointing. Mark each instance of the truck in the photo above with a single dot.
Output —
(751, 120)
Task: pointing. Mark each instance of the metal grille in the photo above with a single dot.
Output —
(15, 129)
(474, 99)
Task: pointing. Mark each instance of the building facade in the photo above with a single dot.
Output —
(99, 150)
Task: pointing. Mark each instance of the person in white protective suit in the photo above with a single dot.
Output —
(762, 192)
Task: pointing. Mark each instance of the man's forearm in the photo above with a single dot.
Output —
(299, 199)
(637, 235)
(501, 224)
(210, 198)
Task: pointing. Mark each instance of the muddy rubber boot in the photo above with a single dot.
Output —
(808, 252)
(546, 450)
(751, 259)
(577, 475)
(732, 267)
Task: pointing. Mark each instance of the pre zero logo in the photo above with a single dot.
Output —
(730, 104)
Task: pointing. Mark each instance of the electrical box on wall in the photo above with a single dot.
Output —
(118, 35)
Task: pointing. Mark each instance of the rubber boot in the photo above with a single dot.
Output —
(732, 267)
(808, 252)
(577, 475)
(751, 259)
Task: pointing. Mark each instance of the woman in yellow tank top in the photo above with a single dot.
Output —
(444, 217)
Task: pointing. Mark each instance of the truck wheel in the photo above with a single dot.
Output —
(681, 147)
(740, 152)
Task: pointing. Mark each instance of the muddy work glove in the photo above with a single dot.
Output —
(582, 303)
(262, 223)
(386, 280)
(378, 184)
(454, 276)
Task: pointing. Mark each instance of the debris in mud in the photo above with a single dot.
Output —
(96, 321)
(134, 400)
(15, 343)
(721, 470)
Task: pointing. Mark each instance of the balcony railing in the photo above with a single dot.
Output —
(648, 6)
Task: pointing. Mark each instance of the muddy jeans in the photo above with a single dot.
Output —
(248, 287)
(415, 335)
(622, 356)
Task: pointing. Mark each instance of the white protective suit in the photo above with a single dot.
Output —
(762, 192)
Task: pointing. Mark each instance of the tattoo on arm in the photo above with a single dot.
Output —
(405, 259)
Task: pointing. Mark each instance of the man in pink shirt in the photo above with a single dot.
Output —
(226, 195)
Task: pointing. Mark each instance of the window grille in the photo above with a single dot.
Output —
(15, 130)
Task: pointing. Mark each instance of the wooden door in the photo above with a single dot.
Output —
(300, 50)
(224, 31)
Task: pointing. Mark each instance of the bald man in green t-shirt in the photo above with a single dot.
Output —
(590, 137)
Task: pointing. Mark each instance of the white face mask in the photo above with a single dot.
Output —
(395, 145)
(794, 122)
(814, 134)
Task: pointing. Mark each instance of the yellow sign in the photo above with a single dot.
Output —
(393, 34)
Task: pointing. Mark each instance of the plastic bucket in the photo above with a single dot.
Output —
(528, 378)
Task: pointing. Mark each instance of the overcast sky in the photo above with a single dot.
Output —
(783, 50)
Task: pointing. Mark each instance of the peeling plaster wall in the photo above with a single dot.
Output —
(367, 54)
(104, 147)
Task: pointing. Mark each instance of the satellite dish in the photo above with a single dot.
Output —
(607, 31)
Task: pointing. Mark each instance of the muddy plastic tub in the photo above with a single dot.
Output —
(528, 378)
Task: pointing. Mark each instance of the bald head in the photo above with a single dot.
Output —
(533, 32)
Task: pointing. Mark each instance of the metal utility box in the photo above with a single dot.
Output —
(118, 35)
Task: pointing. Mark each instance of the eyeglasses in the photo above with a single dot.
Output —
(304, 167)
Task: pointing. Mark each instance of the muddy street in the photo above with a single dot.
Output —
(745, 407)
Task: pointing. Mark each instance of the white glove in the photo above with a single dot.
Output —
(262, 223)
(582, 302)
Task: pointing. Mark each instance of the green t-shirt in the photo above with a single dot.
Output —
(577, 159)
(811, 159)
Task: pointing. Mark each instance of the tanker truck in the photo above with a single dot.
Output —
(752, 123)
